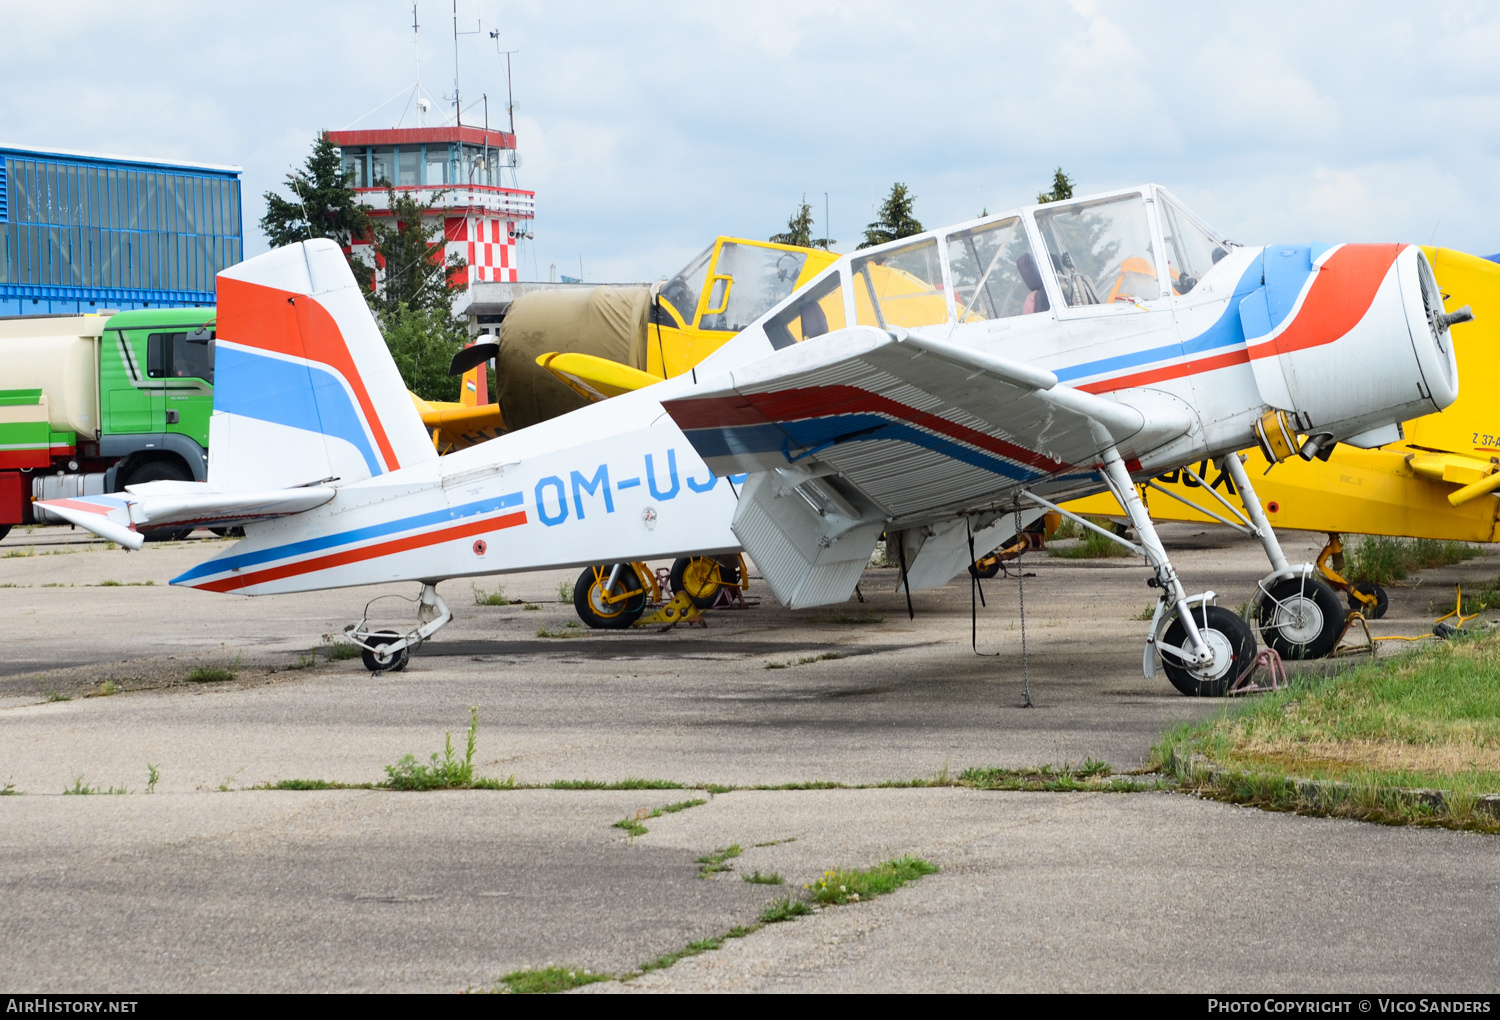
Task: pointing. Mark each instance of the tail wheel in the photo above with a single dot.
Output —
(1228, 637)
(985, 566)
(589, 601)
(1301, 618)
(1382, 600)
(381, 661)
(703, 577)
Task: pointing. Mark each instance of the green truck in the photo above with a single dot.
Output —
(90, 404)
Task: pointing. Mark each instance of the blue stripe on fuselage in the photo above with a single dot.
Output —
(299, 396)
(1225, 332)
(222, 564)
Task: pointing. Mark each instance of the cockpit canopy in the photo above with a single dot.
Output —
(1100, 254)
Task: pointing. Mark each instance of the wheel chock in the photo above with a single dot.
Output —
(679, 610)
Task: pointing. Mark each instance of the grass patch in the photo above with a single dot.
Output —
(634, 824)
(1147, 613)
(548, 979)
(104, 690)
(1381, 560)
(446, 772)
(785, 909)
(81, 788)
(718, 860)
(303, 784)
(1375, 742)
(628, 783)
(776, 665)
(490, 598)
(531, 607)
(58, 696)
(864, 617)
(1091, 545)
(565, 592)
(30, 550)
(340, 652)
(211, 675)
(109, 584)
(153, 776)
(544, 632)
(9, 790)
(839, 886)
(756, 878)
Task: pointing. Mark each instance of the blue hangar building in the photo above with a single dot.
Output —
(81, 232)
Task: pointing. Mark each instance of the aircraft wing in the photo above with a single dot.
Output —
(913, 422)
(117, 516)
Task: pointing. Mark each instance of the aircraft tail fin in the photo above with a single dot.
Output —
(306, 390)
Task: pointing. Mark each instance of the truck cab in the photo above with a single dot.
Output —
(90, 404)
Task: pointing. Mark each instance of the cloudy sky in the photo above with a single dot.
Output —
(647, 128)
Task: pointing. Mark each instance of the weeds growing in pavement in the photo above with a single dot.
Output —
(1381, 560)
(153, 776)
(9, 790)
(716, 861)
(548, 979)
(843, 618)
(81, 787)
(55, 695)
(104, 690)
(565, 591)
(1091, 545)
(838, 885)
(633, 825)
(784, 909)
(756, 878)
(445, 773)
(210, 675)
(490, 598)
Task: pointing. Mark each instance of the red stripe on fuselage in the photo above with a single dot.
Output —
(367, 552)
(1154, 375)
(265, 318)
(1341, 293)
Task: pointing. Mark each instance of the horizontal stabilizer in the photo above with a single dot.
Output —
(118, 517)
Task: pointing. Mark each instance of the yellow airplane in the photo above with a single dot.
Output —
(472, 420)
(1438, 481)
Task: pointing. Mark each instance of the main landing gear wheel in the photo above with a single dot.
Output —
(703, 577)
(381, 661)
(1300, 617)
(1228, 637)
(1382, 600)
(588, 597)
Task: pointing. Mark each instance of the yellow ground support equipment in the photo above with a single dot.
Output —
(613, 596)
(1438, 481)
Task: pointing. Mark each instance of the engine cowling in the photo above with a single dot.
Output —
(1349, 338)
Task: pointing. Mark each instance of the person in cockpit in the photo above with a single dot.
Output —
(1036, 301)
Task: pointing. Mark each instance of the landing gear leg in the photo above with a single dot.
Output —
(1196, 654)
(385, 651)
(1299, 615)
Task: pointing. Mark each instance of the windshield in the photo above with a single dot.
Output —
(681, 291)
(747, 281)
(1191, 250)
(1101, 251)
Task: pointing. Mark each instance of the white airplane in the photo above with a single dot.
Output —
(947, 388)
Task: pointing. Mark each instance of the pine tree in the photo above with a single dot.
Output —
(798, 228)
(1062, 188)
(896, 219)
(323, 204)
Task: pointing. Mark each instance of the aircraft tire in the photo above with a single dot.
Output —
(1382, 601)
(1232, 642)
(398, 661)
(697, 576)
(988, 570)
(1300, 618)
(601, 615)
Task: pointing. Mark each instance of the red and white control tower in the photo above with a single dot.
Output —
(462, 166)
